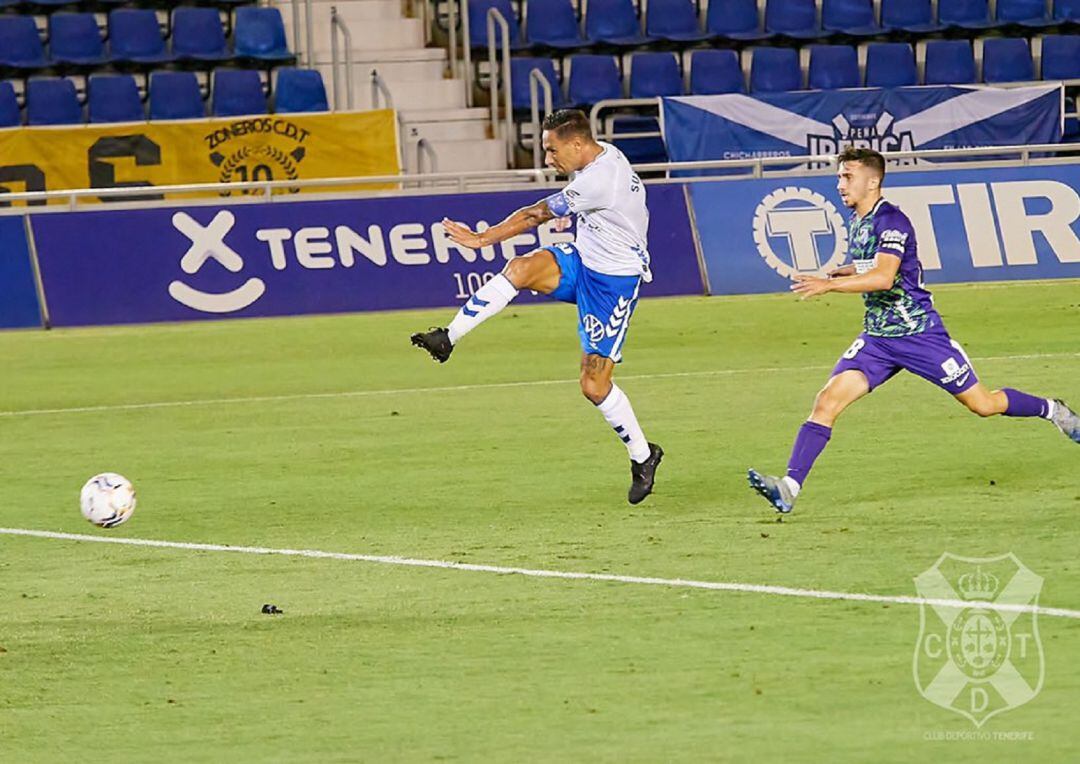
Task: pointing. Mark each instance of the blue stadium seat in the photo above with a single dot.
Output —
(774, 70)
(75, 40)
(639, 150)
(1072, 124)
(949, 62)
(113, 98)
(1067, 10)
(52, 101)
(737, 20)
(654, 74)
(1028, 13)
(915, 16)
(259, 35)
(1007, 59)
(519, 82)
(675, 21)
(852, 17)
(20, 44)
(135, 37)
(175, 95)
(197, 35)
(592, 78)
(9, 106)
(713, 72)
(552, 24)
(890, 65)
(236, 93)
(299, 90)
(614, 22)
(1061, 57)
(967, 14)
(793, 18)
(833, 67)
(478, 12)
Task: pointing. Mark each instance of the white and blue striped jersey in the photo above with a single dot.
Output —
(608, 199)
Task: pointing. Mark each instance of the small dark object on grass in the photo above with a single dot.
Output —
(271, 610)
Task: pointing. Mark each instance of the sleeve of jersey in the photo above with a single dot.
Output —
(582, 194)
(895, 236)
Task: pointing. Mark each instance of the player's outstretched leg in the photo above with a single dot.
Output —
(1015, 403)
(1066, 420)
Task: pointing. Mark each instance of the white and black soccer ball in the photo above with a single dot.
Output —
(107, 500)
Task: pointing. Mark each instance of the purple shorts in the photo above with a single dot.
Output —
(932, 355)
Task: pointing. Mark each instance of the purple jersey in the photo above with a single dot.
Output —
(907, 307)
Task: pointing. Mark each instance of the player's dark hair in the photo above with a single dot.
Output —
(568, 123)
(867, 157)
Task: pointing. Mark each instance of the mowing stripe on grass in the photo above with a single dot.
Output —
(452, 388)
(781, 591)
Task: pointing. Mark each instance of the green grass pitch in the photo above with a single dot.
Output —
(122, 653)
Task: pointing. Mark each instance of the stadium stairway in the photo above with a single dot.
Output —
(430, 105)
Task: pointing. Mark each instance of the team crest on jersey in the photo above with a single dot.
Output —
(975, 657)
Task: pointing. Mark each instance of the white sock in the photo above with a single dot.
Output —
(485, 303)
(619, 414)
(1051, 407)
(792, 484)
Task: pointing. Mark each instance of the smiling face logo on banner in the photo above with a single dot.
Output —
(208, 242)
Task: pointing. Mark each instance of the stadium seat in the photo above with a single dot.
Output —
(639, 150)
(1028, 13)
(9, 106)
(614, 22)
(478, 29)
(654, 74)
(915, 16)
(793, 18)
(967, 14)
(20, 45)
(236, 93)
(1072, 124)
(175, 95)
(259, 36)
(737, 20)
(1061, 57)
(552, 24)
(1067, 10)
(713, 72)
(197, 35)
(299, 90)
(949, 62)
(592, 78)
(675, 21)
(135, 37)
(1007, 59)
(75, 40)
(833, 67)
(774, 70)
(113, 98)
(52, 101)
(890, 65)
(519, 82)
(851, 17)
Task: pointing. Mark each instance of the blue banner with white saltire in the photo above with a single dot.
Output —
(698, 128)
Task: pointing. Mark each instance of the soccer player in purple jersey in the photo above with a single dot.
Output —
(901, 330)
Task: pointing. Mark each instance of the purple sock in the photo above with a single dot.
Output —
(1022, 404)
(809, 443)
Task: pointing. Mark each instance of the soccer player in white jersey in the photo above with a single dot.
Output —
(600, 272)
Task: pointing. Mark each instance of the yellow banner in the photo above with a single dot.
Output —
(271, 147)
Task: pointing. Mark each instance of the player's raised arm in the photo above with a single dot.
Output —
(517, 222)
(881, 276)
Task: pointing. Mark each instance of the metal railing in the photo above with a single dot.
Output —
(424, 148)
(466, 51)
(379, 87)
(336, 25)
(537, 82)
(495, 69)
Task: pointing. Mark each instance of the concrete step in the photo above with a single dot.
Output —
(444, 115)
(407, 94)
(347, 9)
(455, 130)
(367, 34)
(392, 72)
(461, 156)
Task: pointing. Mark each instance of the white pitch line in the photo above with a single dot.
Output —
(451, 388)
(680, 583)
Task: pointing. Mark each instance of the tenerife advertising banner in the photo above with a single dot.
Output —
(698, 128)
(296, 257)
(140, 154)
(970, 225)
(18, 294)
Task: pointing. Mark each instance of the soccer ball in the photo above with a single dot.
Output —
(107, 500)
